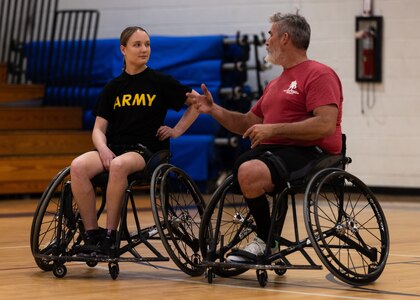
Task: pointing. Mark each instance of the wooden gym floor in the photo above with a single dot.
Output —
(20, 278)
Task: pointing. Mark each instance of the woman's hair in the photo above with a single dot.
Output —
(128, 32)
(296, 26)
(125, 36)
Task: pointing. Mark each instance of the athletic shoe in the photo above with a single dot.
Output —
(91, 240)
(107, 244)
(249, 253)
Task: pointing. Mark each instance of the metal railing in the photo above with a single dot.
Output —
(71, 55)
(21, 23)
(41, 44)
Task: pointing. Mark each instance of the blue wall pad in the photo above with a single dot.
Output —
(204, 124)
(168, 54)
(193, 154)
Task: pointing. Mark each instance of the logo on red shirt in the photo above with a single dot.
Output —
(292, 88)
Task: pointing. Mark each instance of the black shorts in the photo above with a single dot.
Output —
(138, 148)
(291, 158)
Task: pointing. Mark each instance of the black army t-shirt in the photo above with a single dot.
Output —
(135, 107)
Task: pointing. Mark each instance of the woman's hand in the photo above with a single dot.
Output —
(106, 156)
(202, 103)
(165, 132)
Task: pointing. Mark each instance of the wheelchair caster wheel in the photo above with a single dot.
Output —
(210, 276)
(59, 271)
(280, 272)
(262, 277)
(114, 270)
(92, 263)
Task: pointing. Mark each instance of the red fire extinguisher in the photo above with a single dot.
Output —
(368, 54)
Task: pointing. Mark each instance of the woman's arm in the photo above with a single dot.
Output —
(100, 142)
(189, 116)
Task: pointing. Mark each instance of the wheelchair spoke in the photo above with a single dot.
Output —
(347, 226)
(177, 208)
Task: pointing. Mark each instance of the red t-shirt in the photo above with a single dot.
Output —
(294, 95)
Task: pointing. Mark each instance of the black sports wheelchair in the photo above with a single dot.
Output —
(345, 224)
(177, 206)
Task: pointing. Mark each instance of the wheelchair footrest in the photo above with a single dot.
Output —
(64, 258)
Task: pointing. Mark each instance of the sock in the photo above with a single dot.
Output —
(260, 210)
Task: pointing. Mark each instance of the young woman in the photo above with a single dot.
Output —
(128, 129)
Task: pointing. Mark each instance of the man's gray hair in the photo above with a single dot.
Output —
(296, 26)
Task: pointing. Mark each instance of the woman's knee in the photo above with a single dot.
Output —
(85, 165)
(78, 166)
(118, 167)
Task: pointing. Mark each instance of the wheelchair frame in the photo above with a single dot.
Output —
(177, 207)
(353, 247)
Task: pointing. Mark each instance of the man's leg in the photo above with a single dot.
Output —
(255, 181)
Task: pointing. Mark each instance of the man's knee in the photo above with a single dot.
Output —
(252, 173)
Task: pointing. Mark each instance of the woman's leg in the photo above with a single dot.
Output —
(121, 167)
(82, 170)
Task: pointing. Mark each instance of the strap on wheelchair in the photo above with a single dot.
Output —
(245, 254)
(279, 164)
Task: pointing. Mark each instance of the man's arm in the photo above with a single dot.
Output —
(233, 121)
(323, 123)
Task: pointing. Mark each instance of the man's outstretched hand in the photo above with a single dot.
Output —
(202, 103)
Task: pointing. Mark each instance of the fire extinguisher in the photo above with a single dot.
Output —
(368, 54)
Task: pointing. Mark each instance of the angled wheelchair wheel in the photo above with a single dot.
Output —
(177, 208)
(55, 227)
(227, 224)
(346, 226)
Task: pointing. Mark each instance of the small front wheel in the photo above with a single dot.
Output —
(114, 270)
(91, 263)
(59, 271)
(210, 275)
(262, 277)
(280, 272)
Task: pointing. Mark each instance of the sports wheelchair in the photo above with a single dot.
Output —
(345, 224)
(177, 206)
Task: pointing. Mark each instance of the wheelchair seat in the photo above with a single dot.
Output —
(137, 178)
(303, 175)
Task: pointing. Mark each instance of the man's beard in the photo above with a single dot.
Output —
(272, 57)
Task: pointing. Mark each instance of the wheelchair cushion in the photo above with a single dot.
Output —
(326, 161)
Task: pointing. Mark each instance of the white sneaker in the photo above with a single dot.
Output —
(256, 247)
